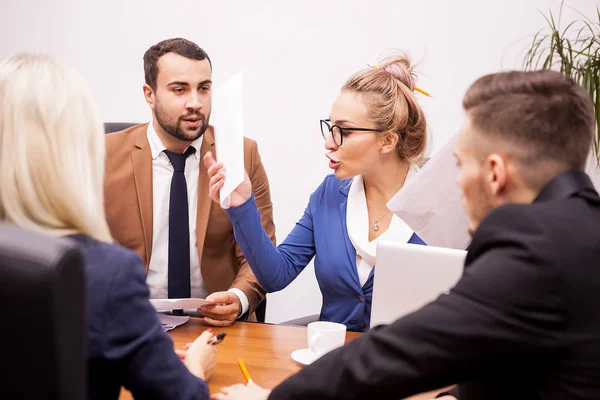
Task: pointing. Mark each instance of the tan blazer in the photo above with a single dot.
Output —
(128, 203)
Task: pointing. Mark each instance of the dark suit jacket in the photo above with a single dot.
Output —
(128, 204)
(523, 322)
(127, 345)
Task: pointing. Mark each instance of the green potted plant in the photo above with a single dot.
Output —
(575, 51)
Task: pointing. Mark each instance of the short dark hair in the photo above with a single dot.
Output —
(544, 116)
(180, 46)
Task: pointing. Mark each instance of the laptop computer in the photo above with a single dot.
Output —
(408, 276)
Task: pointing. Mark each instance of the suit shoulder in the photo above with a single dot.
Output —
(509, 217)
(253, 160)
(331, 190)
(251, 153)
(527, 217)
(511, 226)
(107, 259)
(331, 182)
(249, 144)
(121, 140)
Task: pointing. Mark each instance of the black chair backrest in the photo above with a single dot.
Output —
(110, 127)
(261, 311)
(43, 340)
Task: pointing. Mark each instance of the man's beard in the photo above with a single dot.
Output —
(174, 129)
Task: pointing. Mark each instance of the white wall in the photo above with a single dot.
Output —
(295, 56)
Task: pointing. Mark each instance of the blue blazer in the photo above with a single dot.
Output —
(127, 345)
(321, 233)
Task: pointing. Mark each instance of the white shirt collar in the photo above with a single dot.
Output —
(357, 221)
(157, 146)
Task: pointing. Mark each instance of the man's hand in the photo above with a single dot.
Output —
(251, 391)
(223, 310)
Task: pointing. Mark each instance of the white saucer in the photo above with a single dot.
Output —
(304, 356)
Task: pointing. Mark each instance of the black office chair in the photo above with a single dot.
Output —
(43, 340)
(261, 311)
(110, 127)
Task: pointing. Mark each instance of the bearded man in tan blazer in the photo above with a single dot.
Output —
(156, 192)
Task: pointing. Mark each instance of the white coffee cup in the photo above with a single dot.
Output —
(325, 336)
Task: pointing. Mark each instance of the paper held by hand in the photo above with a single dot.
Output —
(177, 304)
(228, 121)
(431, 203)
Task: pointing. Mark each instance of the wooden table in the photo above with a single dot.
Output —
(266, 350)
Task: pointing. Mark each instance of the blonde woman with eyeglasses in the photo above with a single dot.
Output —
(375, 136)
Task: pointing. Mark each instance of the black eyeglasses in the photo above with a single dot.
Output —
(338, 132)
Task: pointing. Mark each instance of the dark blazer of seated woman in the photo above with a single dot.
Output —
(127, 345)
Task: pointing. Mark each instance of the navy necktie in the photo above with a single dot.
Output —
(179, 228)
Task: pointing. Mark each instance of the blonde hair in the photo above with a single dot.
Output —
(51, 149)
(388, 91)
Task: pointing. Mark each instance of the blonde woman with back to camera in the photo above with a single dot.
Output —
(374, 137)
(52, 167)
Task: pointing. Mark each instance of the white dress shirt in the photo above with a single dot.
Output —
(357, 221)
(162, 173)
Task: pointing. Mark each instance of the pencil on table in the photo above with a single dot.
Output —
(244, 370)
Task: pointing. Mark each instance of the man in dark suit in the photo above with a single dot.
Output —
(524, 320)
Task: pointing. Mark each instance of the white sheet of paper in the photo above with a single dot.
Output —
(431, 203)
(169, 322)
(228, 119)
(177, 304)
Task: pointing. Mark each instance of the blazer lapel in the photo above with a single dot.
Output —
(204, 200)
(142, 172)
(350, 251)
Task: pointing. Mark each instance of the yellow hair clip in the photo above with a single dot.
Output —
(418, 89)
